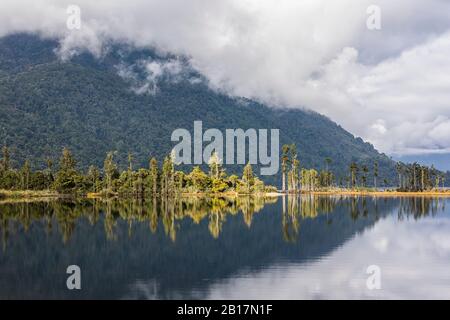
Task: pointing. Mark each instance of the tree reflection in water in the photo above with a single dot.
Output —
(170, 211)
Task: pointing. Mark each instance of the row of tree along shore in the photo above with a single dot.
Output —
(65, 178)
(361, 177)
(142, 182)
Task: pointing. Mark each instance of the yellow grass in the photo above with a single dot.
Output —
(27, 193)
(30, 194)
(431, 193)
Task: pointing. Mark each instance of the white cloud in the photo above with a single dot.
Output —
(389, 86)
(405, 253)
(413, 257)
(145, 74)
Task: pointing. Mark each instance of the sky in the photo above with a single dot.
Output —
(411, 257)
(404, 252)
(389, 85)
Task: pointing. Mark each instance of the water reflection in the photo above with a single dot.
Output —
(194, 247)
(66, 213)
(164, 211)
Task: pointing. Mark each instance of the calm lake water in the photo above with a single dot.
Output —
(214, 248)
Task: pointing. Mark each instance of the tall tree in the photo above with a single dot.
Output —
(109, 169)
(247, 176)
(399, 167)
(6, 161)
(67, 161)
(130, 171)
(167, 175)
(93, 175)
(375, 173)
(154, 175)
(215, 166)
(284, 165)
(365, 171)
(295, 164)
(353, 173)
(25, 175)
(67, 178)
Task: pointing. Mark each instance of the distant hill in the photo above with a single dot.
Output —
(441, 161)
(84, 104)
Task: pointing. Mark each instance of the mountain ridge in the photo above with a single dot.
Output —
(84, 104)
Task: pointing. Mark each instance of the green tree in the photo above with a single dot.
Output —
(375, 173)
(5, 164)
(215, 166)
(93, 176)
(365, 170)
(67, 178)
(25, 175)
(109, 169)
(353, 173)
(248, 177)
(167, 176)
(199, 179)
(154, 173)
(284, 165)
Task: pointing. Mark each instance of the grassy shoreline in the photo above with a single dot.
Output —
(36, 194)
(28, 194)
(382, 193)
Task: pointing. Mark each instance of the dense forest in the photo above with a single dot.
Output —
(85, 105)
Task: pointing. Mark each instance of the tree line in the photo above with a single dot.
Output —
(164, 179)
(156, 179)
(417, 178)
(411, 177)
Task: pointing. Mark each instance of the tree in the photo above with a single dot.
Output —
(130, 162)
(295, 167)
(365, 171)
(93, 175)
(353, 173)
(284, 165)
(109, 169)
(247, 176)
(154, 175)
(375, 174)
(295, 174)
(25, 175)
(49, 172)
(5, 164)
(215, 166)
(399, 167)
(167, 175)
(198, 179)
(67, 178)
(129, 177)
(67, 161)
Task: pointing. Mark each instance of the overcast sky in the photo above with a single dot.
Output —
(389, 86)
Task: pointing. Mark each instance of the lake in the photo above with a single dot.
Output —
(307, 247)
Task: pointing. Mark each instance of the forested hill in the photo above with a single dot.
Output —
(89, 106)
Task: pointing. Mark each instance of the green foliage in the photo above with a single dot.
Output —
(415, 177)
(68, 179)
(46, 104)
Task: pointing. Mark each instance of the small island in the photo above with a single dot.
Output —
(164, 181)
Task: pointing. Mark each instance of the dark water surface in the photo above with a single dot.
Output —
(247, 248)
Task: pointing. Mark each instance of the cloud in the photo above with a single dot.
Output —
(413, 257)
(405, 251)
(144, 75)
(389, 86)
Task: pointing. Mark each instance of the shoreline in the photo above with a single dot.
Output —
(382, 193)
(48, 194)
